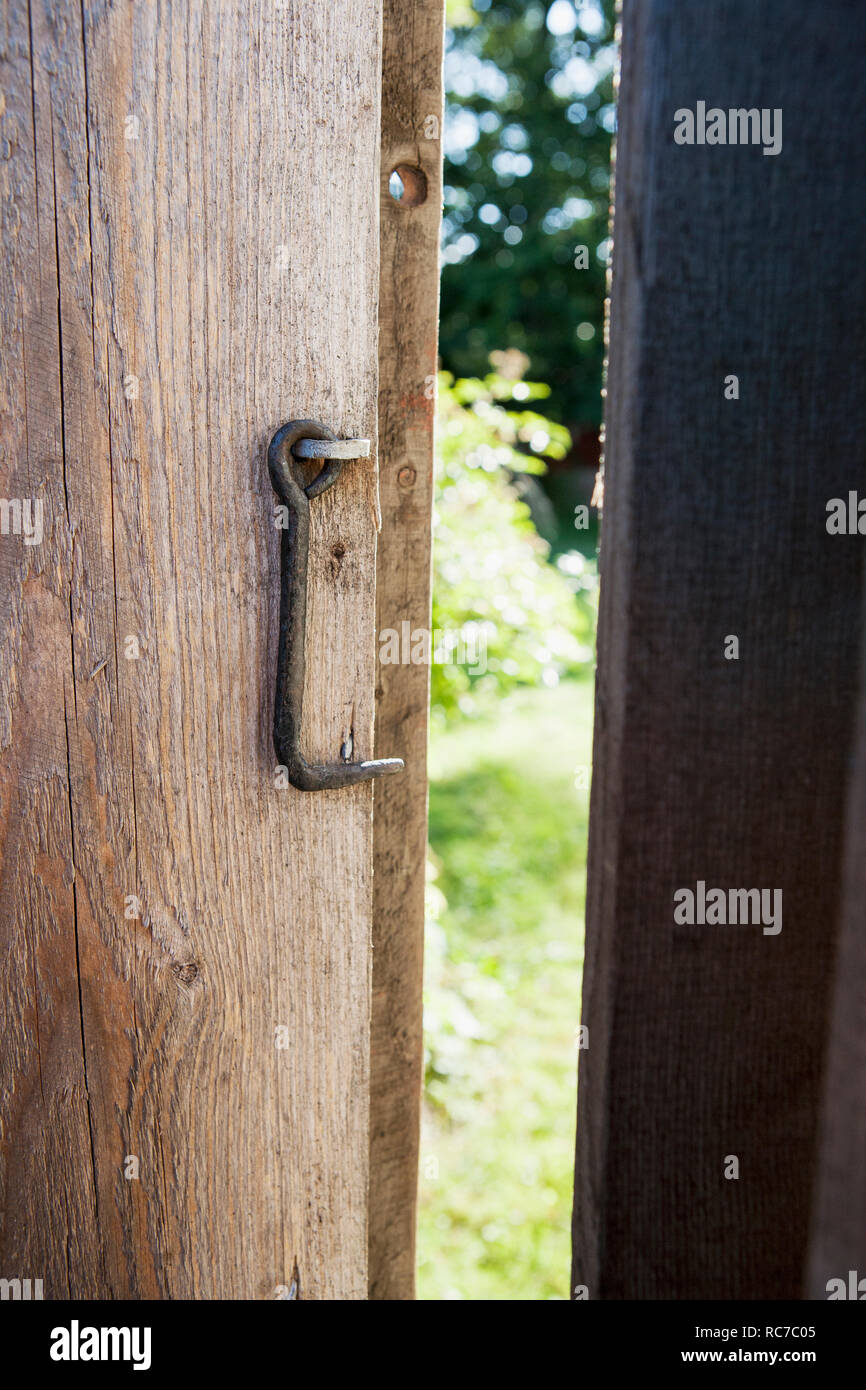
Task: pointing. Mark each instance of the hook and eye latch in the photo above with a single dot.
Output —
(293, 443)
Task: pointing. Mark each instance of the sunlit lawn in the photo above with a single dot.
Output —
(508, 834)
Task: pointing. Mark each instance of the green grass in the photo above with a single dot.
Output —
(508, 840)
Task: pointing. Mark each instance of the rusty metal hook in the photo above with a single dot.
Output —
(284, 452)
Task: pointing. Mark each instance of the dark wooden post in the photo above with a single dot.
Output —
(839, 1222)
(706, 1042)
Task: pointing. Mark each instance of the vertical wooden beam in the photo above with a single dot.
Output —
(707, 1041)
(838, 1242)
(408, 316)
(190, 238)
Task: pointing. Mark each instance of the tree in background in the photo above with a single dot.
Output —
(527, 150)
(529, 122)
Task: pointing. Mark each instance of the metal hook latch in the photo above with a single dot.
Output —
(306, 439)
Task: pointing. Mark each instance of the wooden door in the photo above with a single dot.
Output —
(190, 241)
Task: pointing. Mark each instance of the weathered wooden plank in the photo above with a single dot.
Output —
(408, 313)
(46, 1140)
(707, 1041)
(838, 1236)
(191, 241)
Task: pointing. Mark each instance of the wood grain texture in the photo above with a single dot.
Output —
(408, 317)
(708, 1041)
(838, 1237)
(190, 244)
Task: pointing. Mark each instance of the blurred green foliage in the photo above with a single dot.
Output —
(495, 595)
(529, 122)
(507, 862)
(527, 151)
(508, 823)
